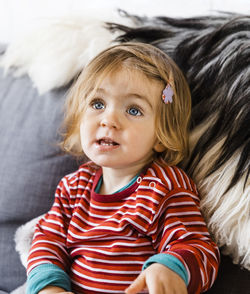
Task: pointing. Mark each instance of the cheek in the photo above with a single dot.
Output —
(144, 134)
(83, 134)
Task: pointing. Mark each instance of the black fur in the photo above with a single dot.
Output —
(214, 54)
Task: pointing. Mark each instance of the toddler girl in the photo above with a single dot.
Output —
(128, 220)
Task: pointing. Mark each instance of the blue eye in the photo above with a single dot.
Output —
(134, 111)
(97, 105)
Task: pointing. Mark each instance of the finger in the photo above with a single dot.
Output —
(138, 285)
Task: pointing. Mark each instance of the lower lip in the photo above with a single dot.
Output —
(105, 148)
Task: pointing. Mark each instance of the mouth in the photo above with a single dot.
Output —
(106, 142)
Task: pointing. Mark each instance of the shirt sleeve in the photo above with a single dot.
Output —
(47, 275)
(180, 231)
(169, 261)
(49, 242)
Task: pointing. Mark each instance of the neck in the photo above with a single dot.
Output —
(115, 179)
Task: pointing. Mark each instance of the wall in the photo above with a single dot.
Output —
(19, 15)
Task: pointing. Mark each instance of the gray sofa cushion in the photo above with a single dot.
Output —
(31, 164)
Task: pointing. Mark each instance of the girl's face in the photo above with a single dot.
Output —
(118, 126)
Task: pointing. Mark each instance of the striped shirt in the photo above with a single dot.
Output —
(102, 241)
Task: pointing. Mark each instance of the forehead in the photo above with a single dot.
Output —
(130, 81)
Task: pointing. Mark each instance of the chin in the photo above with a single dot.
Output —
(213, 52)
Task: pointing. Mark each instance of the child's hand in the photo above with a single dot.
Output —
(53, 289)
(158, 279)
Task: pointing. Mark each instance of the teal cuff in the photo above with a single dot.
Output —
(47, 275)
(171, 262)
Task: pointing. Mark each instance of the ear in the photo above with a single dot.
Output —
(159, 147)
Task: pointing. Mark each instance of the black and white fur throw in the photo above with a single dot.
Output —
(214, 54)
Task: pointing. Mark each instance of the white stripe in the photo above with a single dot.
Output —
(171, 225)
(152, 171)
(154, 179)
(51, 221)
(79, 186)
(182, 203)
(79, 227)
(214, 274)
(82, 195)
(148, 198)
(174, 175)
(53, 212)
(109, 253)
(42, 257)
(53, 231)
(61, 214)
(64, 205)
(97, 289)
(88, 277)
(59, 258)
(65, 185)
(61, 195)
(58, 244)
(85, 221)
(138, 205)
(41, 248)
(184, 263)
(195, 232)
(100, 270)
(77, 178)
(114, 261)
(202, 277)
(187, 194)
(146, 207)
(165, 177)
(183, 213)
(125, 244)
(188, 181)
(183, 181)
(209, 251)
(170, 237)
(120, 229)
(36, 264)
(125, 213)
(77, 236)
(107, 238)
(86, 170)
(191, 223)
(152, 188)
(104, 207)
(101, 216)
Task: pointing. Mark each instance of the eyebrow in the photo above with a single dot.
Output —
(136, 95)
(141, 97)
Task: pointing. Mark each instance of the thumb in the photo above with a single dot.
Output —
(137, 286)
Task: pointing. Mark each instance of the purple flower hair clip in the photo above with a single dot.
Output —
(167, 94)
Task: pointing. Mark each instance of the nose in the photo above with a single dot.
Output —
(111, 119)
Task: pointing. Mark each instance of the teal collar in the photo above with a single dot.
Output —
(99, 184)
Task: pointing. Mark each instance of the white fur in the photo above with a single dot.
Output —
(23, 239)
(20, 290)
(227, 214)
(55, 53)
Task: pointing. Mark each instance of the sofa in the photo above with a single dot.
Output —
(32, 165)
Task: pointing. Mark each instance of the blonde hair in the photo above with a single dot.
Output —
(172, 120)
